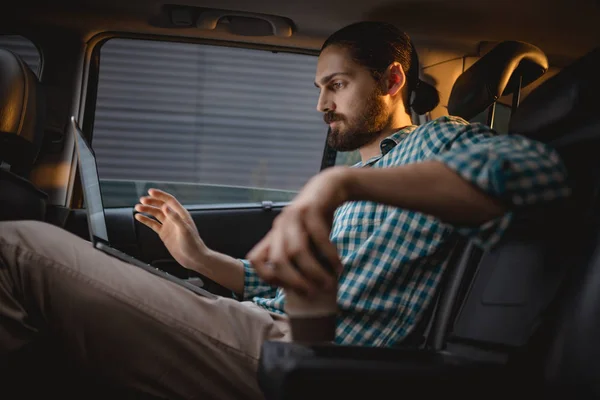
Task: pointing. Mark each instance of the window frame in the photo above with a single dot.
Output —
(89, 95)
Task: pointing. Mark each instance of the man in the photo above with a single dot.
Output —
(386, 226)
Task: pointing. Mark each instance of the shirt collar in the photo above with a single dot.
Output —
(387, 144)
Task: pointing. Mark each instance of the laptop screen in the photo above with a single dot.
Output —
(91, 186)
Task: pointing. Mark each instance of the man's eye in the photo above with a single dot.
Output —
(337, 85)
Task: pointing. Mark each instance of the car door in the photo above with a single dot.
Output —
(232, 140)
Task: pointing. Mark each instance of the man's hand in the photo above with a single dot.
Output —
(174, 225)
(288, 256)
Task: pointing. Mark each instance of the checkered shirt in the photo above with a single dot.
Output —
(394, 258)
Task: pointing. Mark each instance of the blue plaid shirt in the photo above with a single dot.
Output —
(394, 258)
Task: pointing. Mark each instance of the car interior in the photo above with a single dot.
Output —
(214, 102)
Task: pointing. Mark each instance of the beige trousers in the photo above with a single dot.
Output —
(115, 319)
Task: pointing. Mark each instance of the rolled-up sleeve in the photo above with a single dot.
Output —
(514, 169)
(254, 286)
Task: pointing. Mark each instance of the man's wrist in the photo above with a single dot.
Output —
(343, 180)
(202, 259)
(346, 183)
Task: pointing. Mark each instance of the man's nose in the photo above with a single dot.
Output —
(325, 103)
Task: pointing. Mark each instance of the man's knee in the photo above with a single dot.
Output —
(35, 246)
(22, 228)
(30, 234)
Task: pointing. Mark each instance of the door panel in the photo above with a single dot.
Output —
(230, 231)
(233, 231)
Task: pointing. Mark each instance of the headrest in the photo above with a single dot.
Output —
(494, 75)
(21, 112)
(567, 101)
(563, 112)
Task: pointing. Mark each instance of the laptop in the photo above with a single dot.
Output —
(92, 195)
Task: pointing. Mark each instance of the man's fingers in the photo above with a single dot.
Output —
(154, 211)
(300, 254)
(289, 277)
(266, 271)
(311, 268)
(269, 262)
(259, 258)
(149, 222)
(285, 271)
(297, 253)
(168, 199)
(151, 201)
(326, 252)
(160, 194)
(170, 213)
(259, 252)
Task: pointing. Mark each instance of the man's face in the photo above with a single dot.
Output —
(352, 101)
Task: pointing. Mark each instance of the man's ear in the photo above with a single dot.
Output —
(396, 79)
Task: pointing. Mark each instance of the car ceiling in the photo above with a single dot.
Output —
(563, 29)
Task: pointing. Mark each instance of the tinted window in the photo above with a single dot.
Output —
(210, 124)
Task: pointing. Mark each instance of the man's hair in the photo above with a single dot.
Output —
(376, 45)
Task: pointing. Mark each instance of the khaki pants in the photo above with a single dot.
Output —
(122, 322)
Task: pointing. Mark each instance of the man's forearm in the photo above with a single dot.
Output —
(428, 187)
(223, 269)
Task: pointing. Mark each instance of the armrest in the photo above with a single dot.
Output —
(294, 371)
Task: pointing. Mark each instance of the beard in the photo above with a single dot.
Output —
(354, 133)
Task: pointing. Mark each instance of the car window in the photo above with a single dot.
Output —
(210, 124)
(24, 48)
(347, 158)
